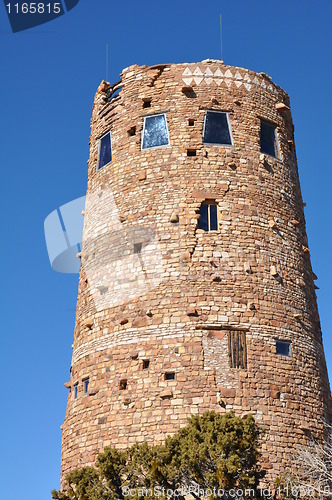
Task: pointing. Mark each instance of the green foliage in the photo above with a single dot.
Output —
(212, 451)
(82, 484)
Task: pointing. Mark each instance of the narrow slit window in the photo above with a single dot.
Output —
(105, 150)
(75, 391)
(268, 139)
(237, 349)
(85, 386)
(155, 132)
(146, 364)
(123, 385)
(283, 348)
(217, 129)
(208, 220)
(169, 376)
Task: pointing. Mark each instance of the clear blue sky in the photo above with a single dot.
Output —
(48, 79)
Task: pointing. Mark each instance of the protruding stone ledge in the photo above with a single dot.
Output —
(93, 392)
(272, 224)
(142, 175)
(88, 322)
(281, 107)
(166, 394)
(247, 268)
(174, 218)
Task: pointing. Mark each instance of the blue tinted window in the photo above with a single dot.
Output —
(283, 348)
(155, 133)
(85, 386)
(213, 218)
(216, 129)
(208, 220)
(268, 139)
(203, 222)
(75, 391)
(105, 150)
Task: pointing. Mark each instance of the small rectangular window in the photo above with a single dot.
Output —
(268, 139)
(85, 386)
(123, 384)
(138, 247)
(237, 349)
(105, 150)
(169, 376)
(217, 129)
(155, 132)
(208, 220)
(147, 103)
(75, 391)
(283, 348)
(131, 132)
(146, 364)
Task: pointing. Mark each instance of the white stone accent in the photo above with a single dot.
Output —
(187, 72)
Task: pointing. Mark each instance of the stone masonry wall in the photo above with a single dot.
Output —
(153, 325)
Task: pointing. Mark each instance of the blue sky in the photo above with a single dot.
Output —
(48, 79)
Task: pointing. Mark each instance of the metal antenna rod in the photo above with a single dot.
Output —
(221, 38)
(107, 62)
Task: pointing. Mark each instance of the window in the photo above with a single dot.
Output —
(217, 129)
(131, 132)
(85, 386)
(237, 349)
(169, 376)
(268, 139)
(146, 364)
(123, 384)
(75, 391)
(147, 103)
(105, 150)
(155, 132)
(208, 216)
(283, 348)
(138, 247)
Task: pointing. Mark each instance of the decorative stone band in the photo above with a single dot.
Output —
(131, 337)
(239, 77)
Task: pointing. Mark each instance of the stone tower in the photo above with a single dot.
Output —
(196, 290)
